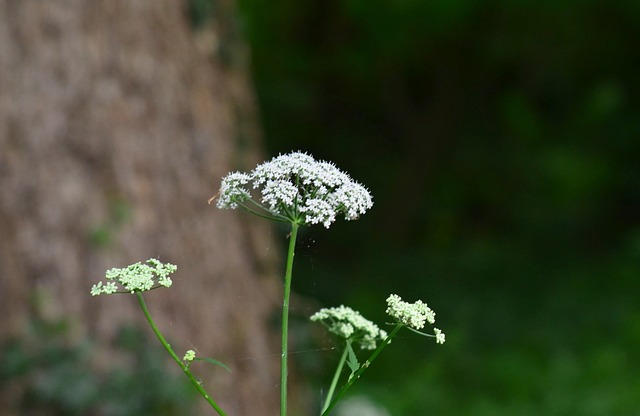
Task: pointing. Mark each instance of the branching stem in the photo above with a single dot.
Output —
(362, 369)
(183, 366)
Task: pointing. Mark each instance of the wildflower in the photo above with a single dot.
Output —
(413, 315)
(189, 356)
(137, 277)
(349, 324)
(439, 336)
(296, 188)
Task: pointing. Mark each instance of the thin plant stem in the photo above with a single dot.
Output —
(362, 369)
(336, 377)
(269, 216)
(285, 318)
(184, 367)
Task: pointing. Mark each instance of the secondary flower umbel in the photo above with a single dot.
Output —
(137, 277)
(413, 315)
(349, 324)
(296, 188)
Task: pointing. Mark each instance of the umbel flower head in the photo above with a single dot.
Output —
(413, 315)
(410, 314)
(137, 277)
(349, 324)
(296, 188)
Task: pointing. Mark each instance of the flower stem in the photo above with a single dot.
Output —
(285, 318)
(362, 368)
(336, 377)
(184, 367)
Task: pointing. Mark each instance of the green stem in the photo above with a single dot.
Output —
(285, 318)
(270, 216)
(184, 367)
(362, 368)
(336, 377)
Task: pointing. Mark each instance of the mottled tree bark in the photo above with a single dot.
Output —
(117, 122)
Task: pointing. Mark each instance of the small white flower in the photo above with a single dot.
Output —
(137, 277)
(411, 314)
(439, 336)
(295, 187)
(349, 324)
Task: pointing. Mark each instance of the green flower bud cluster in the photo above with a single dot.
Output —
(137, 277)
(189, 356)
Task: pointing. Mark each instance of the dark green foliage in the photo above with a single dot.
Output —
(56, 376)
(352, 360)
(501, 143)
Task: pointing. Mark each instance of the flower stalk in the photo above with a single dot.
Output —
(296, 189)
(336, 377)
(285, 318)
(183, 366)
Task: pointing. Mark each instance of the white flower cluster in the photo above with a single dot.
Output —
(439, 336)
(349, 324)
(413, 315)
(296, 187)
(232, 190)
(137, 277)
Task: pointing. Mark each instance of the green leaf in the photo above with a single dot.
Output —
(352, 361)
(212, 361)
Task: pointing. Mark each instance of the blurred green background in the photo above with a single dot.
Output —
(500, 141)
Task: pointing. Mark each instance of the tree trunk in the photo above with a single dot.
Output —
(115, 129)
